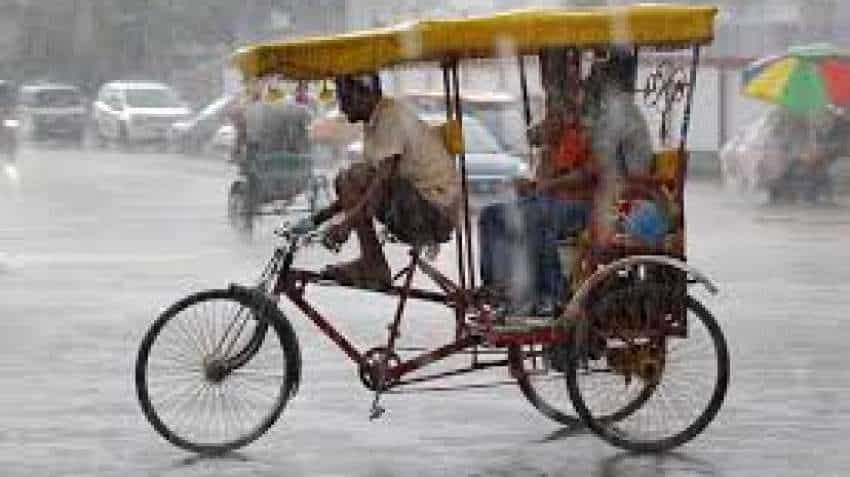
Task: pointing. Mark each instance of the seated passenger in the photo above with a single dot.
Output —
(518, 241)
(407, 180)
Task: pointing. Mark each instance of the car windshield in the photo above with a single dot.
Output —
(152, 98)
(500, 118)
(477, 139)
(58, 97)
(214, 108)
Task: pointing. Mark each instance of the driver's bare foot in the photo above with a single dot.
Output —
(372, 274)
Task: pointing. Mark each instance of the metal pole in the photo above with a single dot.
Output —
(523, 83)
(683, 159)
(464, 185)
(447, 89)
(722, 106)
(461, 272)
(460, 311)
(686, 119)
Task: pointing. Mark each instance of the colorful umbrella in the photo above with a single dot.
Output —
(805, 79)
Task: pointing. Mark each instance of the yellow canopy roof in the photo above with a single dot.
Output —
(521, 31)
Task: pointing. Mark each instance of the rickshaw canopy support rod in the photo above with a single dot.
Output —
(523, 83)
(686, 116)
(460, 310)
(461, 272)
(467, 226)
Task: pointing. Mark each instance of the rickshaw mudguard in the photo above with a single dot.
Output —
(576, 305)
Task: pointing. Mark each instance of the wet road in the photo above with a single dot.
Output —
(94, 245)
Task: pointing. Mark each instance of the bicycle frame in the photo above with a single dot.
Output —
(292, 282)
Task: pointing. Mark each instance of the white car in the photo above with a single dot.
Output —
(193, 135)
(131, 112)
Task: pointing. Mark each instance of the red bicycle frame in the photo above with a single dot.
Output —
(293, 282)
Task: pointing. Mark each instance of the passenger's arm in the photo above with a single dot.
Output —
(573, 180)
(579, 179)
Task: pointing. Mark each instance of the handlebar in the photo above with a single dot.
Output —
(297, 240)
(286, 233)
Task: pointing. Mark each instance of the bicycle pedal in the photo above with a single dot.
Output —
(376, 412)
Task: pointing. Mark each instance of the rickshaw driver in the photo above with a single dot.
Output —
(407, 180)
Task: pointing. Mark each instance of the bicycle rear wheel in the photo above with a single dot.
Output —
(541, 375)
(216, 369)
(632, 345)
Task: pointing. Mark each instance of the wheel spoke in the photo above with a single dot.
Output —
(690, 373)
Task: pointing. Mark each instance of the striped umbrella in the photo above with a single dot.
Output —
(805, 79)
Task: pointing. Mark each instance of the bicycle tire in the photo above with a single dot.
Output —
(612, 432)
(561, 412)
(268, 318)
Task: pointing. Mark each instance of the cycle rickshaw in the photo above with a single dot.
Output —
(216, 369)
(275, 166)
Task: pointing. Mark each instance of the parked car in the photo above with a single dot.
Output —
(194, 134)
(501, 113)
(52, 111)
(132, 112)
(490, 168)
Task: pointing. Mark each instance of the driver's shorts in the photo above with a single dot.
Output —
(402, 208)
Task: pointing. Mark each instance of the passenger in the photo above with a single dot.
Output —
(407, 180)
(810, 145)
(524, 235)
(831, 130)
(511, 235)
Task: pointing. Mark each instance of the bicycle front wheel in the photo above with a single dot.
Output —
(216, 369)
(637, 341)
